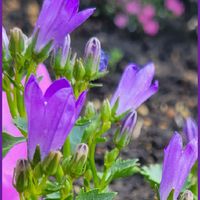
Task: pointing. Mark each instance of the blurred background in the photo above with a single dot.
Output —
(138, 31)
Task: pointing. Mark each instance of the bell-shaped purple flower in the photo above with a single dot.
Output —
(50, 116)
(58, 18)
(178, 162)
(135, 87)
(190, 129)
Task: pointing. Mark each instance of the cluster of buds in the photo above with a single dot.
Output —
(93, 65)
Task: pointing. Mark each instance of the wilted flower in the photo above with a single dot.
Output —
(50, 116)
(178, 162)
(135, 87)
(57, 19)
(190, 129)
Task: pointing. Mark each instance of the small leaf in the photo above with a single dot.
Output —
(9, 141)
(21, 123)
(95, 195)
(152, 173)
(123, 168)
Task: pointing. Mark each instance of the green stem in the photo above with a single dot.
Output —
(92, 163)
(21, 196)
(66, 148)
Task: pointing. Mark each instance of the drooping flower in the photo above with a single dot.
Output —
(57, 19)
(50, 116)
(19, 151)
(177, 164)
(190, 129)
(135, 87)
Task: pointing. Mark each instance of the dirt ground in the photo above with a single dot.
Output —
(174, 52)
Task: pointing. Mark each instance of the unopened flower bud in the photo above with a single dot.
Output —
(90, 110)
(51, 162)
(78, 162)
(5, 42)
(21, 175)
(92, 56)
(187, 195)
(79, 70)
(18, 42)
(123, 136)
(65, 50)
(106, 111)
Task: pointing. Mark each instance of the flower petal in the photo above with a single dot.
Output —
(80, 102)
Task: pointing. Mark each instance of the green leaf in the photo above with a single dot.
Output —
(76, 136)
(123, 168)
(9, 141)
(21, 123)
(95, 195)
(53, 196)
(152, 173)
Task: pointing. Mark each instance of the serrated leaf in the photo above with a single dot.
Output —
(95, 195)
(123, 168)
(153, 173)
(21, 123)
(9, 141)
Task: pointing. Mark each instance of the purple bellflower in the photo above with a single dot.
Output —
(190, 129)
(57, 19)
(135, 87)
(50, 116)
(178, 162)
(104, 59)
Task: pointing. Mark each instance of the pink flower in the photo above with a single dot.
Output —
(121, 21)
(175, 6)
(151, 27)
(18, 151)
(146, 14)
(133, 7)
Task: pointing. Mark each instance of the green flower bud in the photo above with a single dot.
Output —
(106, 111)
(90, 110)
(51, 162)
(79, 70)
(187, 195)
(18, 42)
(78, 162)
(21, 179)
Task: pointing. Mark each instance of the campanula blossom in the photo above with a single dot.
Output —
(50, 116)
(135, 87)
(19, 151)
(190, 129)
(178, 162)
(57, 19)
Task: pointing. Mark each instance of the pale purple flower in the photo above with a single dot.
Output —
(50, 116)
(190, 129)
(133, 7)
(135, 87)
(151, 27)
(178, 162)
(57, 19)
(103, 61)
